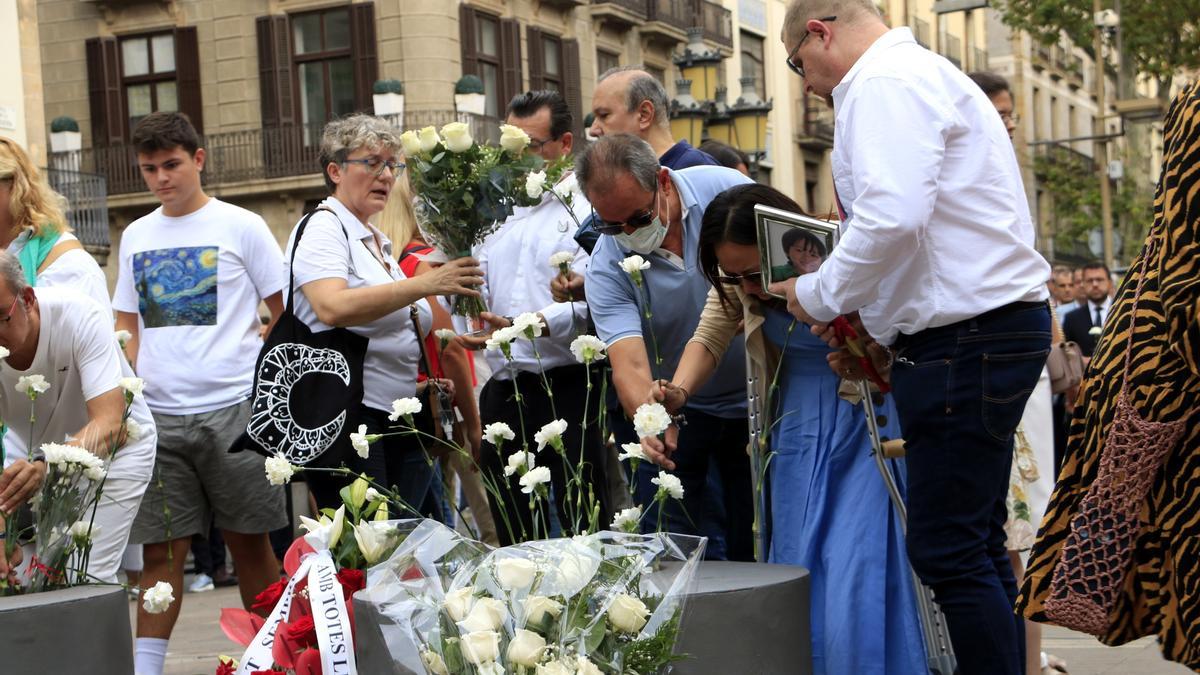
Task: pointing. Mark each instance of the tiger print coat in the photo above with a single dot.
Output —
(1161, 593)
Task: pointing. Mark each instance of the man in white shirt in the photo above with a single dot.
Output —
(67, 338)
(517, 274)
(191, 276)
(937, 257)
(1084, 323)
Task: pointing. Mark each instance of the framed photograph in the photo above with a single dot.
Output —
(791, 244)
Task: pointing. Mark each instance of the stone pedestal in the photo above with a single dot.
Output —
(742, 618)
(84, 629)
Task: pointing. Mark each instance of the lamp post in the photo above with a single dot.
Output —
(1105, 21)
(687, 114)
(720, 122)
(749, 115)
(699, 65)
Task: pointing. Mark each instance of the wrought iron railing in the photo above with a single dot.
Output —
(87, 203)
(636, 6)
(716, 21)
(252, 154)
(676, 13)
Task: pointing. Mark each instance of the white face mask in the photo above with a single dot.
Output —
(645, 239)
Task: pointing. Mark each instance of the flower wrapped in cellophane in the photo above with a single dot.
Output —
(597, 604)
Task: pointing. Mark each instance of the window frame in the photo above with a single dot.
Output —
(151, 77)
(324, 57)
(760, 74)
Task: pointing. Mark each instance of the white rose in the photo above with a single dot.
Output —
(158, 598)
(588, 348)
(528, 325)
(627, 519)
(632, 451)
(538, 607)
(133, 385)
(561, 259)
(432, 660)
(535, 184)
(634, 264)
(519, 460)
(32, 385)
(279, 470)
(650, 420)
(498, 432)
(481, 646)
(551, 434)
(410, 142)
(458, 603)
(458, 137)
(490, 668)
(668, 484)
(133, 430)
(513, 139)
(526, 648)
(515, 573)
(533, 478)
(585, 667)
(628, 614)
(403, 407)
(485, 615)
(428, 138)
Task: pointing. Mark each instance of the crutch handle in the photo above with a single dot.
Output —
(894, 449)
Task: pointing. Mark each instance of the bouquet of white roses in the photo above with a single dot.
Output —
(466, 189)
(603, 603)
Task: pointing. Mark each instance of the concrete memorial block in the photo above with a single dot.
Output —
(84, 629)
(741, 618)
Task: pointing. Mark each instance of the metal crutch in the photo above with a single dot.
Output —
(757, 463)
(938, 651)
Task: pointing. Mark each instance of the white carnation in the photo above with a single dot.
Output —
(501, 339)
(627, 520)
(133, 385)
(123, 336)
(404, 407)
(158, 598)
(561, 259)
(358, 440)
(527, 325)
(279, 470)
(650, 420)
(533, 478)
(632, 451)
(498, 432)
(32, 385)
(133, 430)
(668, 484)
(83, 531)
(588, 348)
(551, 434)
(634, 264)
(518, 460)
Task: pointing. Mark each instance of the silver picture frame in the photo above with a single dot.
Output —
(811, 241)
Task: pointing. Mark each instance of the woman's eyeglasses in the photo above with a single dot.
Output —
(736, 279)
(376, 165)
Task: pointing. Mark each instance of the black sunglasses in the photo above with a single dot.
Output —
(799, 70)
(611, 227)
(735, 279)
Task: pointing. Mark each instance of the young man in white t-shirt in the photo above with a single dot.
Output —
(191, 276)
(68, 339)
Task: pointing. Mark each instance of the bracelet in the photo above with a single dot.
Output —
(686, 394)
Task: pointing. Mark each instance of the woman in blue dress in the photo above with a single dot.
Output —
(829, 507)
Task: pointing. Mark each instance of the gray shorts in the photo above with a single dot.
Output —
(197, 481)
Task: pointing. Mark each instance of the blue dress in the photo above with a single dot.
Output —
(830, 513)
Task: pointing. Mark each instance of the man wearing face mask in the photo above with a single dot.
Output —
(649, 210)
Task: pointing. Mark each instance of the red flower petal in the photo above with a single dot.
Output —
(240, 625)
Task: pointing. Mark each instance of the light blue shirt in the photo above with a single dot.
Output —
(677, 291)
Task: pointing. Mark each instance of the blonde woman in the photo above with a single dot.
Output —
(33, 227)
(398, 221)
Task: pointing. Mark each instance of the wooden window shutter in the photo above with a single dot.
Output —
(573, 85)
(466, 32)
(364, 54)
(537, 68)
(510, 56)
(187, 75)
(104, 91)
(275, 71)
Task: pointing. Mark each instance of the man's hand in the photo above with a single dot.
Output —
(667, 393)
(477, 342)
(18, 483)
(567, 287)
(847, 365)
(788, 288)
(9, 565)
(660, 451)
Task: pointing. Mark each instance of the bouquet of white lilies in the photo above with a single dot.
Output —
(603, 603)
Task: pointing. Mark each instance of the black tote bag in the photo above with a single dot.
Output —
(308, 388)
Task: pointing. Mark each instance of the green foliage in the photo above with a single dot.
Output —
(64, 123)
(468, 84)
(1162, 38)
(388, 87)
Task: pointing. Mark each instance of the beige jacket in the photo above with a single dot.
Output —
(719, 326)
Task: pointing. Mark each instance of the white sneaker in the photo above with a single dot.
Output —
(201, 583)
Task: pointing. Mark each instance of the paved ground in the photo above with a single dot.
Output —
(199, 640)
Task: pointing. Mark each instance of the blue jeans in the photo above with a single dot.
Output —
(706, 440)
(960, 393)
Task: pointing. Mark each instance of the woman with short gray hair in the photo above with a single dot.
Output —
(347, 277)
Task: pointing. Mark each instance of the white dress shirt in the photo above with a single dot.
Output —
(1103, 307)
(517, 274)
(936, 228)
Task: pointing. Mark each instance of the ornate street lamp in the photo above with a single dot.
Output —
(687, 114)
(750, 121)
(699, 65)
(720, 123)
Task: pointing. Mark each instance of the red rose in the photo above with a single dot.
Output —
(309, 663)
(269, 596)
(301, 632)
(352, 581)
(226, 668)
